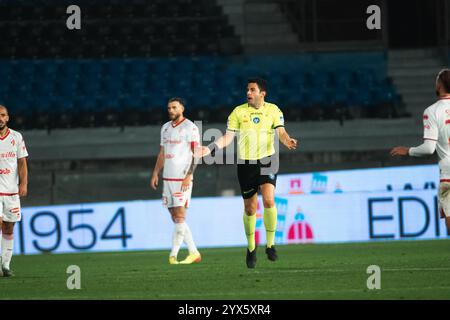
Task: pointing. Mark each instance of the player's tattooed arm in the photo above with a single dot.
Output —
(190, 172)
(188, 179)
(193, 166)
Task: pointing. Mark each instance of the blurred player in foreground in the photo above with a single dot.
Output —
(255, 123)
(436, 136)
(13, 185)
(179, 137)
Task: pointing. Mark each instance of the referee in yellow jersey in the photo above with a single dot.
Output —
(255, 123)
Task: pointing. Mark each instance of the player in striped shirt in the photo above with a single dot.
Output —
(179, 137)
(436, 136)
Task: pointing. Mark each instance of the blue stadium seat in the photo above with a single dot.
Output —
(203, 81)
(295, 81)
(19, 88)
(43, 88)
(156, 101)
(160, 68)
(66, 88)
(183, 66)
(317, 81)
(45, 69)
(360, 98)
(137, 67)
(111, 85)
(42, 103)
(90, 68)
(86, 104)
(68, 69)
(4, 88)
(131, 101)
(317, 98)
(366, 77)
(108, 102)
(58, 104)
(383, 94)
(114, 68)
(291, 99)
(89, 86)
(5, 69)
(206, 65)
(338, 97)
(343, 78)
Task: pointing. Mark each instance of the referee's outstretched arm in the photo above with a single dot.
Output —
(285, 139)
(220, 143)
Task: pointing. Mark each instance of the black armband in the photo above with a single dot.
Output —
(213, 147)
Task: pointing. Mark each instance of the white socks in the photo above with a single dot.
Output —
(189, 240)
(180, 233)
(177, 238)
(7, 249)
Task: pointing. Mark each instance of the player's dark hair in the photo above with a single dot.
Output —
(3, 107)
(444, 78)
(179, 100)
(262, 84)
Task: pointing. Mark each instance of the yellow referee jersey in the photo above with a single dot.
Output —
(255, 129)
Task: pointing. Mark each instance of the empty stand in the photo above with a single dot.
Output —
(90, 92)
(130, 57)
(115, 29)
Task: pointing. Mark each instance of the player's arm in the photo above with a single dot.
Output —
(278, 125)
(224, 140)
(190, 172)
(158, 167)
(430, 136)
(220, 143)
(285, 139)
(23, 176)
(233, 125)
(425, 149)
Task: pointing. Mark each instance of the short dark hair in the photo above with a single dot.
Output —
(3, 107)
(179, 100)
(444, 78)
(262, 84)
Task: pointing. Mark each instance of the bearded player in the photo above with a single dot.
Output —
(436, 137)
(179, 137)
(13, 185)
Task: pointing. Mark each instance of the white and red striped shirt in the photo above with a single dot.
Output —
(12, 148)
(178, 141)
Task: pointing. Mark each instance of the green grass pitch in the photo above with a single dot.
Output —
(409, 270)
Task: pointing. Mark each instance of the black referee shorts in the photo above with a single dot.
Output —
(251, 175)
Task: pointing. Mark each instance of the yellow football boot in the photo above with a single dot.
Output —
(173, 260)
(192, 258)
